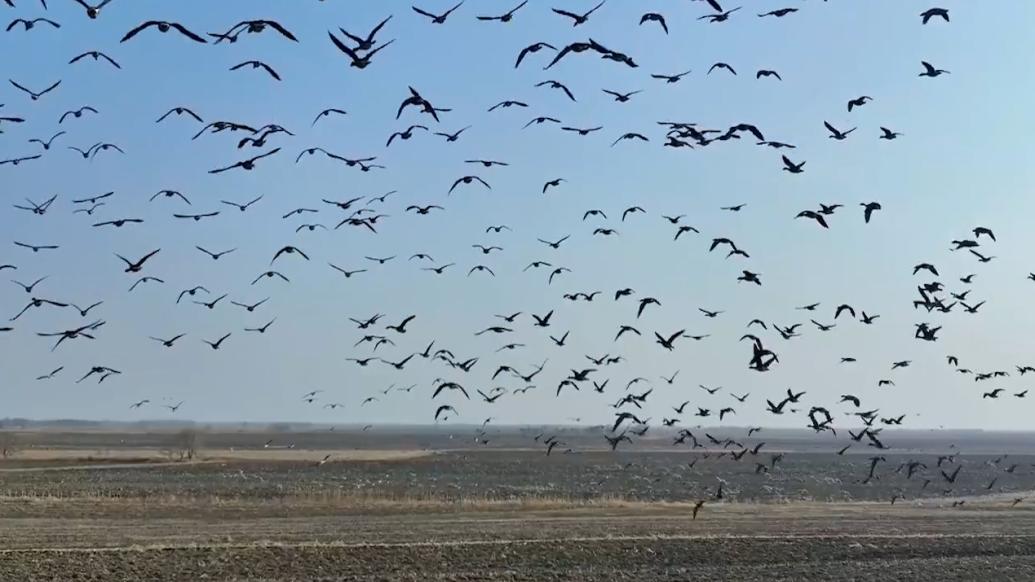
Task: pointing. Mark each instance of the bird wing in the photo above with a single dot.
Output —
(139, 28)
(279, 28)
(343, 48)
(183, 30)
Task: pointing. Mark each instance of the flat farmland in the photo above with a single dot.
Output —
(493, 475)
(114, 506)
(789, 542)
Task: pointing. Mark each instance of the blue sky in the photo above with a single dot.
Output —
(962, 161)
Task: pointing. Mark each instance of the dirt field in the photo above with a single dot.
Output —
(391, 510)
(726, 542)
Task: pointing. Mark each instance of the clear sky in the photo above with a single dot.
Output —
(963, 160)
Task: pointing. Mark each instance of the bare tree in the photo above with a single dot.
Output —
(188, 441)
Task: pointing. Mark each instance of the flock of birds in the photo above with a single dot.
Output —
(762, 341)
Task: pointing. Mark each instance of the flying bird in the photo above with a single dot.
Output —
(163, 27)
(437, 18)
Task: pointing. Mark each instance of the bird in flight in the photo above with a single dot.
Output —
(578, 19)
(33, 95)
(930, 13)
(163, 27)
(506, 16)
(437, 18)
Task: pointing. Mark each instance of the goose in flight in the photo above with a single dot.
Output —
(452, 137)
(720, 16)
(926, 267)
(541, 120)
(981, 230)
(249, 308)
(575, 47)
(668, 342)
(404, 135)
(507, 104)
(96, 56)
(167, 342)
(163, 27)
(654, 17)
(36, 248)
(507, 16)
(531, 49)
(215, 345)
(931, 71)
(858, 102)
(644, 302)
(76, 113)
(630, 136)
(178, 111)
(836, 133)
(146, 279)
(32, 94)
(270, 275)
(789, 166)
(18, 160)
(972, 309)
(191, 292)
(51, 374)
(170, 194)
(36, 302)
(101, 370)
(888, 134)
(215, 256)
(401, 327)
(30, 24)
(357, 61)
(211, 304)
(552, 184)
(289, 250)
(400, 364)
(818, 217)
(93, 199)
(118, 223)
(981, 258)
(135, 267)
(868, 209)
(619, 97)
(196, 217)
(83, 312)
(780, 13)
(247, 165)
(557, 85)
(930, 13)
(720, 65)
(254, 27)
(671, 78)
(327, 113)
(71, 334)
(92, 11)
(172, 408)
(257, 65)
(37, 209)
(578, 19)
(437, 18)
(367, 42)
(468, 180)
